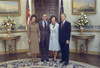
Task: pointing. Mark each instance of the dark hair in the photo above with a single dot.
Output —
(44, 14)
(52, 17)
(35, 17)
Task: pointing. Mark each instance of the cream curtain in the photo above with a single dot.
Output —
(32, 6)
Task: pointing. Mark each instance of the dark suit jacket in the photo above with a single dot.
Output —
(44, 33)
(64, 33)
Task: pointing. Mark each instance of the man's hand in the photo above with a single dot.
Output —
(67, 41)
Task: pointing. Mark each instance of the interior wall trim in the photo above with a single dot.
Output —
(89, 52)
(97, 31)
(71, 50)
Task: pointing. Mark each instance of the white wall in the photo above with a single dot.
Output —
(95, 18)
(21, 20)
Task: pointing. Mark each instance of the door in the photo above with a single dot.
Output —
(49, 7)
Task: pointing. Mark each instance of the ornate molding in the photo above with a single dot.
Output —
(73, 30)
(71, 50)
(14, 32)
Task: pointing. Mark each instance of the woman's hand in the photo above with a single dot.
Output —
(29, 41)
(39, 40)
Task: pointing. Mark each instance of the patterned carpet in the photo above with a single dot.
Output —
(27, 63)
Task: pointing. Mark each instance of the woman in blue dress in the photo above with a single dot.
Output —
(53, 43)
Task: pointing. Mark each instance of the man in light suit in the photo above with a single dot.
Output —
(44, 38)
(64, 38)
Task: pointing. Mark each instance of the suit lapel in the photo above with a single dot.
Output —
(63, 25)
(60, 26)
(47, 24)
(42, 25)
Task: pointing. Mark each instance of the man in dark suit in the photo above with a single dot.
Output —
(44, 38)
(64, 38)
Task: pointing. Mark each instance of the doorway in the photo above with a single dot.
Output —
(49, 7)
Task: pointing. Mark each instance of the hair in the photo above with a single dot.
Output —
(63, 14)
(35, 17)
(44, 14)
(52, 17)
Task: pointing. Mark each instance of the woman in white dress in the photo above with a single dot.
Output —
(53, 43)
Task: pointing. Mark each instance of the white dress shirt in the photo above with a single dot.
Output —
(44, 23)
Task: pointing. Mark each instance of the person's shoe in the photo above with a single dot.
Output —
(35, 60)
(42, 60)
(61, 61)
(65, 64)
(47, 60)
(54, 60)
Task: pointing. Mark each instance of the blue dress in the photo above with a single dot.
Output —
(53, 42)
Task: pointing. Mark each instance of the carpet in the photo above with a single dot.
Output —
(27, 63)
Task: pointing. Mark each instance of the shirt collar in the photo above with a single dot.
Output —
(43, 21)
(63, 21)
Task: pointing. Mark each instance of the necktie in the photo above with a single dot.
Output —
(61, 25)
(45, 24)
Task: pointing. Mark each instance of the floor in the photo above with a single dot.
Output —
(90, 59)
